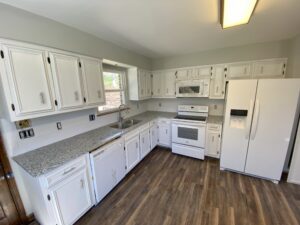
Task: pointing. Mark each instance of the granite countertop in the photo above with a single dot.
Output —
(50, 157)
(215, 119)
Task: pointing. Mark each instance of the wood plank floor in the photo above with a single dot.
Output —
(168, 189)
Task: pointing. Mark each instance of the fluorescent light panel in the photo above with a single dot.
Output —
(236, 12)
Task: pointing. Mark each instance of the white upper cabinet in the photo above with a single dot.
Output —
(28, 79)
(217, 82)
(93, 81)
(241, 70)
(157, 84)
(67, 80)
(269, 68)
(148, 84)
(139, 82)
(182, 74)
(169, 87)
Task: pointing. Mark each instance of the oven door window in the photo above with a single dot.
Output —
(187, 133)
(189, 90)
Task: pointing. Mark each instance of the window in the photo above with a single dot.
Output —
(114, 82)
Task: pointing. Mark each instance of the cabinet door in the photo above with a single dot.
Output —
(132, 149)
(164, 133)
(66, 73)
(142, 84)
(108, 164)
(204, 72)
(169, 84)
(213, 144)
(239, 70)
(269, 68)
(93, 81)
(157, 84)
(153, 136)
(144, 143)
(217, 83)
(72, 198)
(29, 79)
(182, 74)
(148, 84)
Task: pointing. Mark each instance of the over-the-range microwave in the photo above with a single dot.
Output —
(192, 88)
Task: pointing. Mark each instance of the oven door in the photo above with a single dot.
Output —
(189, 88)
(188, 134)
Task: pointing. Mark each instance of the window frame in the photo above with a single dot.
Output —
(122, 90)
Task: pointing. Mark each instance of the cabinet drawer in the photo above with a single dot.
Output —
(65, 171)
(144, 127)
(153, 123)
(164, 121)
(214, 127)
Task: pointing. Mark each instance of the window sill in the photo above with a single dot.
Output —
(110, 111)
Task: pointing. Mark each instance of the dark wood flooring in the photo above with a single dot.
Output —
(168, 189)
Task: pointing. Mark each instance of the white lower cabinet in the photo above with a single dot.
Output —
(132, 149)
(164, 133)
(213, 140)
(144, 142)
(62, 196)
(71, 198)
(108, 167)
(153, 135)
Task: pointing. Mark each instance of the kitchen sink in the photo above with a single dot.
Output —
(125, 124)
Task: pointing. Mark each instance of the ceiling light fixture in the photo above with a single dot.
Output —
(236, 12)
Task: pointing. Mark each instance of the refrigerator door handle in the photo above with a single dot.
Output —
(249, 118)
(255, 119)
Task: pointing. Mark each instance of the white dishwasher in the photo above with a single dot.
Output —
(108, 167)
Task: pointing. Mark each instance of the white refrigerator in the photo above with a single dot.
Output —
(259, 118)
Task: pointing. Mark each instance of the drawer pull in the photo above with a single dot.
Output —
(69, 171)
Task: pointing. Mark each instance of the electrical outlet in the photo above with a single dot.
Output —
(58, 125)
(26, 133)
(92, 117)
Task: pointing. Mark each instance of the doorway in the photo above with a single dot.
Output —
(12, 211)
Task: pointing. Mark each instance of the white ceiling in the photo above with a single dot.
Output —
(161, 28)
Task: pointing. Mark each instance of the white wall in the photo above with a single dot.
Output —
(216, 107)
(293, 69)
(275, 49)
(20, 25)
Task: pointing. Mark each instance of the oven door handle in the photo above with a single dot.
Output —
(188, 125)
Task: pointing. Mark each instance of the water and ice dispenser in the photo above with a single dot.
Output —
(238, 118)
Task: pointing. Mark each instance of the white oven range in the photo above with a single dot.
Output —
(189, 131)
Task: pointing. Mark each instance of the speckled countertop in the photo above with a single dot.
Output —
(50, 157)
(215, 119)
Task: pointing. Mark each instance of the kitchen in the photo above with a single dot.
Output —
(176, 129)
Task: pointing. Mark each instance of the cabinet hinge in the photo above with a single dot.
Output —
(124, 148)
(55, 102)
(79, 64)
(84, 99)
(225, 69)
(48, 197)
(48, 59)
(13, 107)
(283, 65)
(2, 54)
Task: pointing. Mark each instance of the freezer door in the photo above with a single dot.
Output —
(238, 116)
(273, 119)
